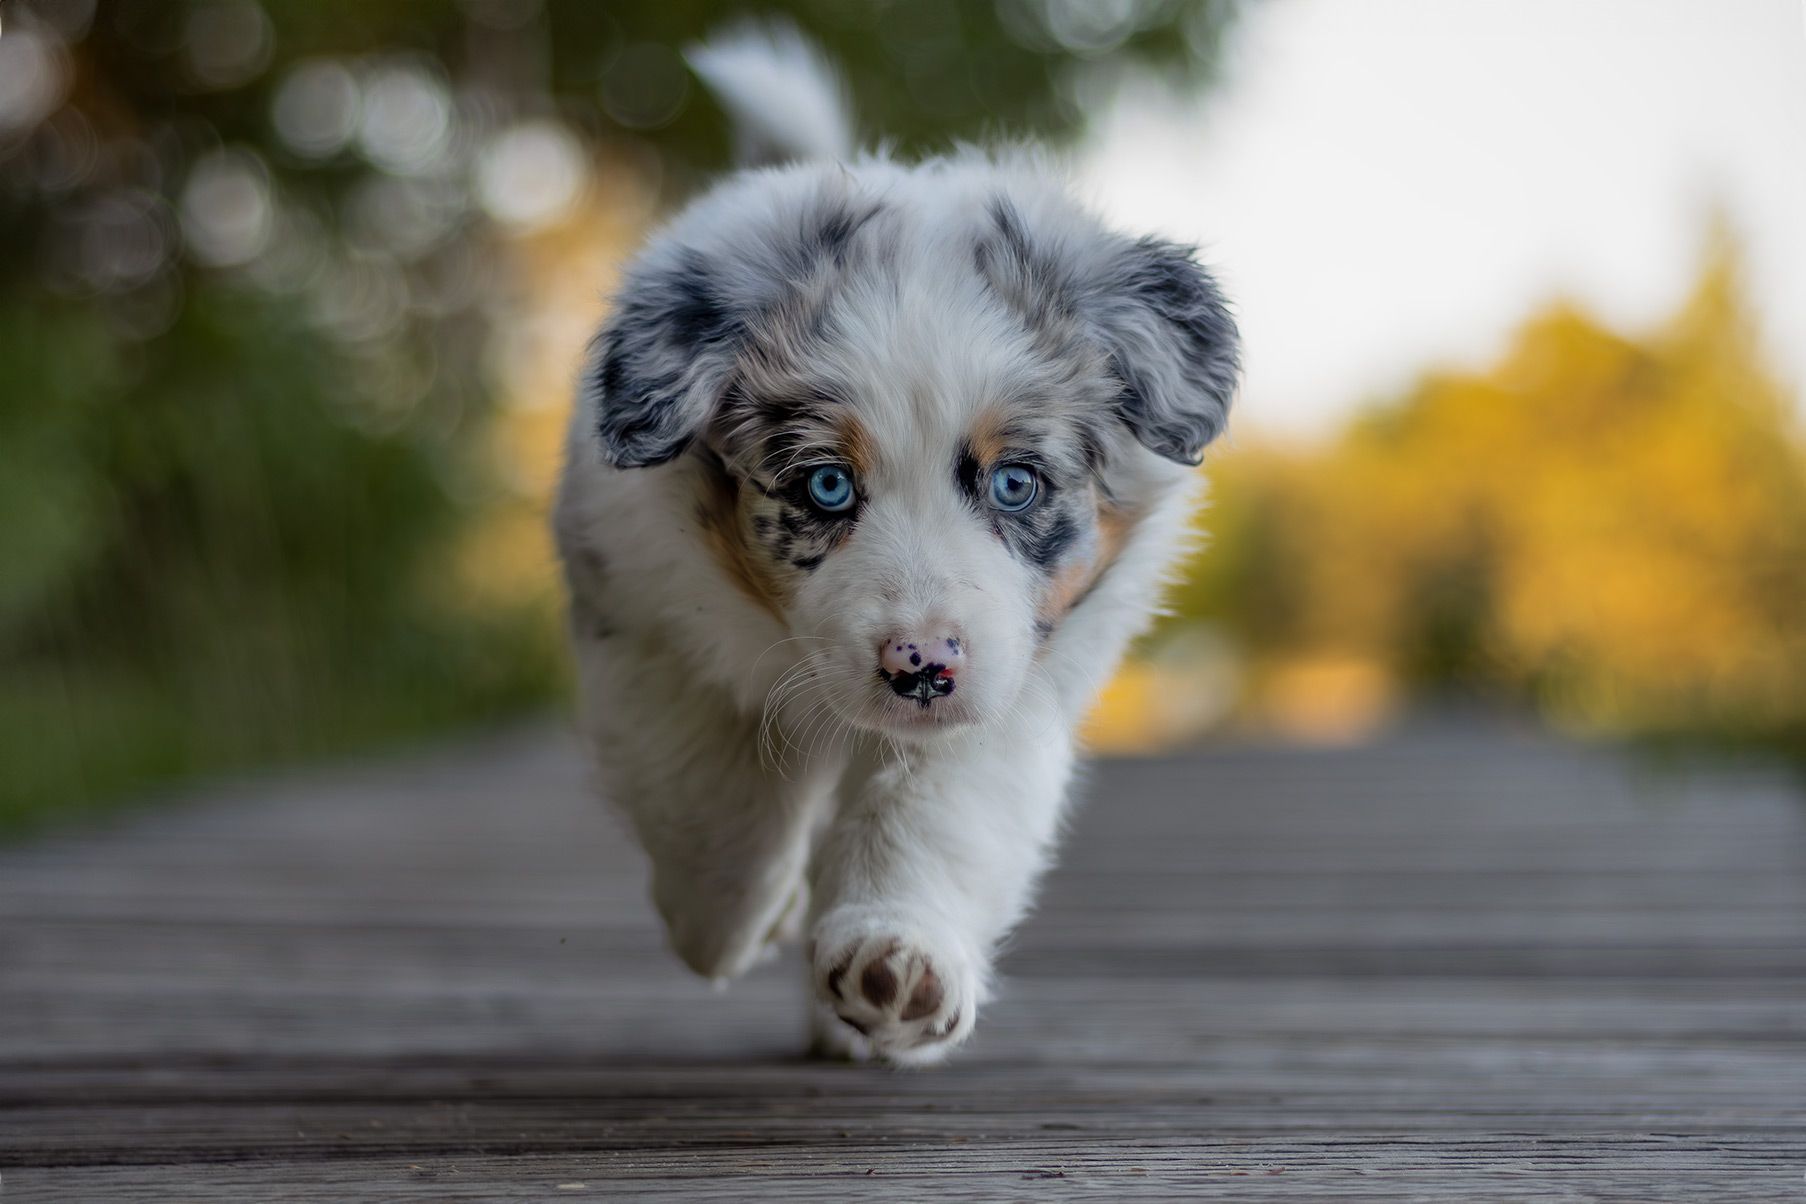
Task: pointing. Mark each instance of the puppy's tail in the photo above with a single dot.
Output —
(786, 99)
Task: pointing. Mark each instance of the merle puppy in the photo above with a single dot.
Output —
(876, 467)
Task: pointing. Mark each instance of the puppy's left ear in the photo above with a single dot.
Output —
(1172, 344)
(662, 361)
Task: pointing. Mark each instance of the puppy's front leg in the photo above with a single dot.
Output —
(727, 832)
(930, 863)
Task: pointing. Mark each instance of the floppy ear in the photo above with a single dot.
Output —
(1172, 344)
(661, 362)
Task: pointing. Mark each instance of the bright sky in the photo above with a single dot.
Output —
(1397, 183)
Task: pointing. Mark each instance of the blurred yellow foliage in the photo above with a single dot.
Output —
(1154, 704)
(1611, 528)
(562, 274)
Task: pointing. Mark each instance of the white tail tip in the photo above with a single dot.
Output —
(786, 99)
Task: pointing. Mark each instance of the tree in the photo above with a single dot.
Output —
(1611, 528)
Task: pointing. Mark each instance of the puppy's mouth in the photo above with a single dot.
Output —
(921, 686)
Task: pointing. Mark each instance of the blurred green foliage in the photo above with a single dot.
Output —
(247, 282)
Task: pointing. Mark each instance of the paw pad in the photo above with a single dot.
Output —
(879, 983)
(909, 1003)
(926, 999)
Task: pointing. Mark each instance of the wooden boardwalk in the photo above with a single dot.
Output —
(1468, 964)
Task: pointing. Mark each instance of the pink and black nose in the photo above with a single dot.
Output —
(921, 667)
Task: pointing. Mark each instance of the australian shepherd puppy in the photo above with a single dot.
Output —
(875, 469)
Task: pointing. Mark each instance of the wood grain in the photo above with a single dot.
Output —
(1467, 962)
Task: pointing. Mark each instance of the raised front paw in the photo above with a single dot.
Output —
(914, 1003)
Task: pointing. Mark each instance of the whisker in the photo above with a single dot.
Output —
(789, 689)
(800, 703)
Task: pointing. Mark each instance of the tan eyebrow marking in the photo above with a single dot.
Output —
(856, 443)
(988, 437)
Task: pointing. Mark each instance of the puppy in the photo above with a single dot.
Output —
(875, 469)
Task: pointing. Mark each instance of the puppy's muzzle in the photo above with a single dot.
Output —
(921, 668)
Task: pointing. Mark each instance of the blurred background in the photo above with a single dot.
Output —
(292, 294)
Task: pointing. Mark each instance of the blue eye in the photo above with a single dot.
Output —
(1014, 486)
(831, 488)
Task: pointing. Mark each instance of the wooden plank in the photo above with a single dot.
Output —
(1624, 1167)
(1467, 962)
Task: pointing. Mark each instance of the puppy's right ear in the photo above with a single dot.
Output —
(661, 362)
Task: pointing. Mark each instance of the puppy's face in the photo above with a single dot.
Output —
(920, 517)
(918, 439)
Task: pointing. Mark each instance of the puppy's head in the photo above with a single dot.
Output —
(922, 412)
